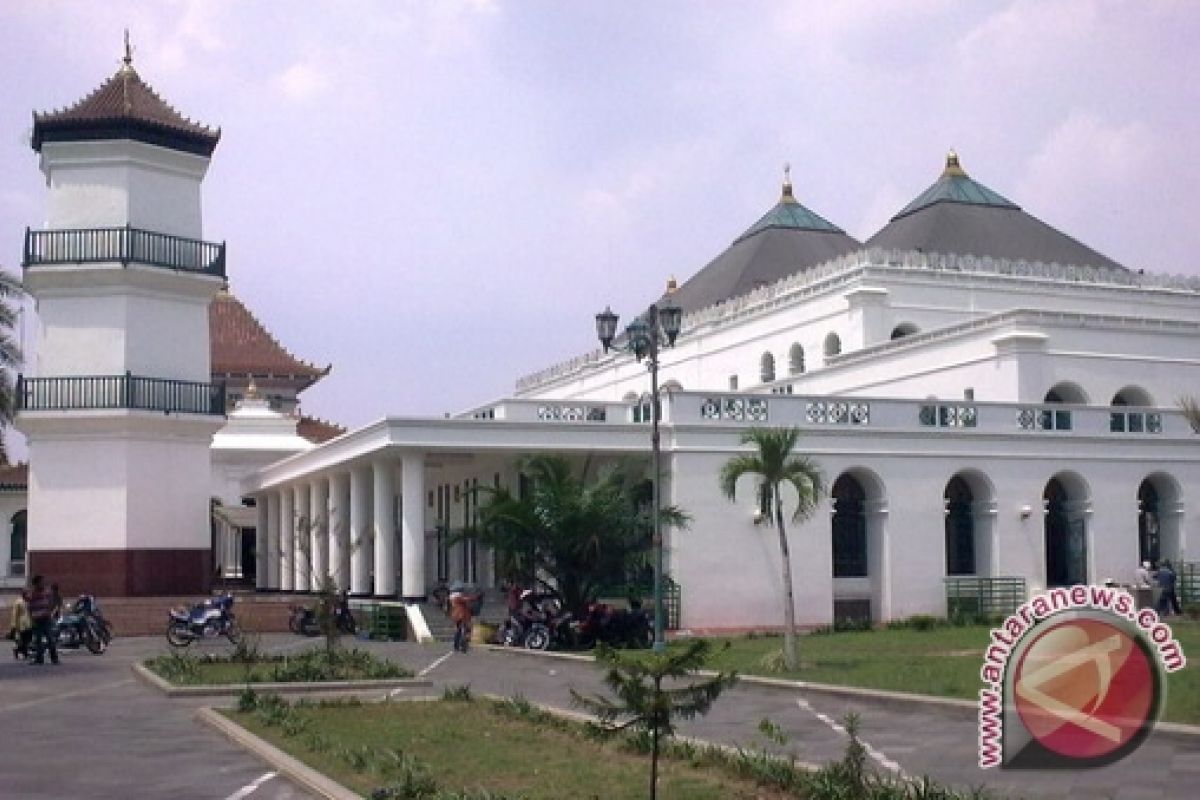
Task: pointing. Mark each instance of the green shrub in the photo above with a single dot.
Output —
(917, 622)
(460, 693)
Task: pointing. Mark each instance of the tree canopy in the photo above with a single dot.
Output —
(569, 532)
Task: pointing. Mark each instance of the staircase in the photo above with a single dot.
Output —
(495, 611)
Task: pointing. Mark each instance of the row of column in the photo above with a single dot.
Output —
(342, 526)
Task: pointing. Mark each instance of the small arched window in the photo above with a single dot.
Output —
(903, 329)
(796, 360)
(17, 543)
(833, 345)
(766, 368)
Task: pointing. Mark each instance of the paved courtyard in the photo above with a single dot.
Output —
(89, 729)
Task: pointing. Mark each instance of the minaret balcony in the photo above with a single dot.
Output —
(115, 392)
(125, 246)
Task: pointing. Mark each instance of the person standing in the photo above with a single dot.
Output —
(41, 612)
(1168, 601)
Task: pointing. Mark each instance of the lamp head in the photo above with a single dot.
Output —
(639, 337)
(670, 316)
(606, 327)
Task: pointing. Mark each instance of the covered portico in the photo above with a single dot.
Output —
(372, 508)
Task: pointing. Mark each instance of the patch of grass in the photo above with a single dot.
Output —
(936, 660)
(415, 751)
(252, 666)
(474, 750)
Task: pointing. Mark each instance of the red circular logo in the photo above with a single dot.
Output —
(1085, 688)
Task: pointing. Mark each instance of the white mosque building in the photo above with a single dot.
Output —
(993, 403)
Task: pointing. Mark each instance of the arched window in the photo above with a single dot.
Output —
(1132, 396)
(17, 544)
(796, 360)
(849, 528)
(903, 329)
(960, 528)
(1066, 392)
(833, 345)
(1149, 548)
(766, 368)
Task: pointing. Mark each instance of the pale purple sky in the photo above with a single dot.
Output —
(437, 197)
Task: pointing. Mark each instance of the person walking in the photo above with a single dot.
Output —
(21, 631)
(41, 612)
(1168, 601)
(462, 608)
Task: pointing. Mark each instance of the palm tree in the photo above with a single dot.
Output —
(10, 354)
(775, 464)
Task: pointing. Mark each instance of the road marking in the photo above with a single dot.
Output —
(64, 695)
(878, 757)
(252, 787)
(434, 665)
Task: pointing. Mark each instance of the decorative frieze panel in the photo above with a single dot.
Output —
(571, 413)
(837, 412)
(1044, 419)
(948, 416)
(734, 409)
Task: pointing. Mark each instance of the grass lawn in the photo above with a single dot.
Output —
(942, 661)
(468, 746)
(185, 669)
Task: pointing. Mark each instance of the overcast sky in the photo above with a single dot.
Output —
(436, 197)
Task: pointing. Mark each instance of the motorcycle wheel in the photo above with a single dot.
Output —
(538, 637)
(233, 631)
(92, 639)
(510, 636)
(178, 634)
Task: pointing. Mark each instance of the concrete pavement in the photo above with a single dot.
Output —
(88, 729)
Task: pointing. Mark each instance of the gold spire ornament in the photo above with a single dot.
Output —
(788, 197)
(672, 285)
(952, 165)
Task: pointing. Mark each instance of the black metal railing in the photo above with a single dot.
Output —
(123, 245)
(644, 592)
(970, 596)
(98, 392)
(1189, 582)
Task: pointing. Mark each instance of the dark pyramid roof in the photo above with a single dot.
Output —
(125, 107)
(960, 215)
(787, 239)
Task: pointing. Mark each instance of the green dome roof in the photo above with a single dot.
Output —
(955, 186)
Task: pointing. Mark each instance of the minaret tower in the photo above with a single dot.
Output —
(120, 413)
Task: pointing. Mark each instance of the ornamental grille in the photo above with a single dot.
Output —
(838, 412)
(568, 413)
(734, 409)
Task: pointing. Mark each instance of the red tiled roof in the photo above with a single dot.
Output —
(14, 476)
(124, 107)
(240, 345)
(318, 430)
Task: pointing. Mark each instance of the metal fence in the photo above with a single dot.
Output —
(970, 596)
(98, 392)
(125, 246)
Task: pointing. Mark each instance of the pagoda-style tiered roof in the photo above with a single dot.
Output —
(242, 347)
(789, 238)
(958, 214)
(317, 430)
(124, 107)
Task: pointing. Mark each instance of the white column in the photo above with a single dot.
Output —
(287, 539)
(412, 541)
(360, 531)
(339, 529)
(302, 550)
(384, 526)
(260, 544)
(274, 554)
(318, 516)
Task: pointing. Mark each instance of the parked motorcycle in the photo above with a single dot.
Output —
(79, 627)
(303, 620)
(87, 605)
(614, 626)
(209, 619)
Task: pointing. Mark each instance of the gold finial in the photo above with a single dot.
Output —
(252, 390)
(788, 197)
(952, 165)
(672, 285)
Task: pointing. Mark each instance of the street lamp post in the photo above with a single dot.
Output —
(644, 337)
